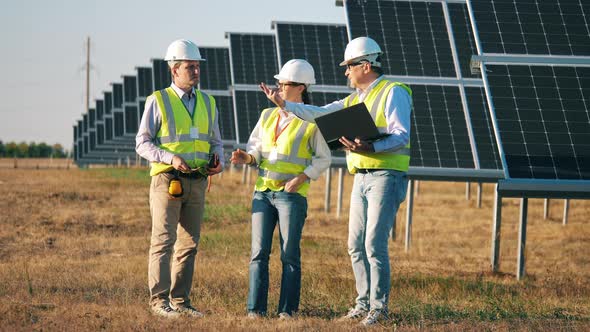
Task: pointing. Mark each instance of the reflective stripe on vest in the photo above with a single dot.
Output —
(293, 152)
(174, 134)
(375, 102)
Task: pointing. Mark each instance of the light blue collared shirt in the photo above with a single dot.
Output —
(398, 108)
(146, 141)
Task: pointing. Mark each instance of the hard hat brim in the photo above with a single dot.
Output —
(168, 59)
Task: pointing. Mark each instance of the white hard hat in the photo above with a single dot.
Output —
(183, 49)
(298, 71)
(362, 48)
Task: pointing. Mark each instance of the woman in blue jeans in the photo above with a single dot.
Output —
(289, 152)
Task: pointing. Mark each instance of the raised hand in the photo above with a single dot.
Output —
(273, 95)
(240, 157)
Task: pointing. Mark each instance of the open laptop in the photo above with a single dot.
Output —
(351, 122)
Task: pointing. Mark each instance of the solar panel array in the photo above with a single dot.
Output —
(322, 45)
(533, 27)
(428, 45)
(536, 61)
(253, 60)
(542, 113)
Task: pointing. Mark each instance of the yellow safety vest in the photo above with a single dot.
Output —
(293, 152)
(375, 102)
(175, 132)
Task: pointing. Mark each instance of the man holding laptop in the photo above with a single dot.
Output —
(380, 168)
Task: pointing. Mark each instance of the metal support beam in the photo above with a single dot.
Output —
(566, 208)
(479, 190)
(409, 215)
(546, 208)
(520, 266)
(328, 190)
(244, 173)
(496, 234)
(340, 190)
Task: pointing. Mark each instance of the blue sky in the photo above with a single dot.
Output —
(43, 49)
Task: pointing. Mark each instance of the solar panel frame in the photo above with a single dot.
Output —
(533, 27)
(215, 70)
(454, 49)
(322, 45)
(253, 57)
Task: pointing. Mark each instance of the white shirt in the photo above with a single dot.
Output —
(146, 141)
(321, 159)
(398, 108)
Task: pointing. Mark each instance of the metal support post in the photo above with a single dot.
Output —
(340, 190)
(328, 190)
(546, 208)
(520, 272)
(497, 224)
(409, 215)
(566, 208)
(479, 190)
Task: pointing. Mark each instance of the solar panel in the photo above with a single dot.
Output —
(99, 133)
(463, 37)
(253, 58)
(249, 105)
(429, 45)
(131, 120)
(322, 45)
(533, 27)
(438, 129)
(117, 95)
(108, 125)
(543, 119)
(91, 118)
(144, 81)
(414, 35)
(215, 71)
(161, 72)
(85, 122)
(227, 129)
(108, 102)
(119, 124)
(129, 89)
(487, 149)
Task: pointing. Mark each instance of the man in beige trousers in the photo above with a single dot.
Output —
(179, 135)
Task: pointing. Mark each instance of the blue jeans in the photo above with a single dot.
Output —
(374, 202)
(290, 211)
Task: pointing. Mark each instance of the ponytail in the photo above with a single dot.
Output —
(305, 96)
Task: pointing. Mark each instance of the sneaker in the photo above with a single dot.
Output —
(164, 310)
(254, 315)
(374, 316)
(285, 316)
(355, 313)
(187, 310)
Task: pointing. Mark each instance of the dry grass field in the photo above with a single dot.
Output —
(74, 245)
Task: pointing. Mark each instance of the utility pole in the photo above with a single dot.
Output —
(87, 73)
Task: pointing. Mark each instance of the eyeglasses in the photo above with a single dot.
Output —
(350, 65)
(282, 85)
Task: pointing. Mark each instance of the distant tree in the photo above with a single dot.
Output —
(58, 151)
(32, 150)
(45, 150)
(11, 150)
(23, 150)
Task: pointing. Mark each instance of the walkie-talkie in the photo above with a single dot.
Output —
(213, 160)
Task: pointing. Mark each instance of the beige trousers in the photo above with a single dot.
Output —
(176, 228)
